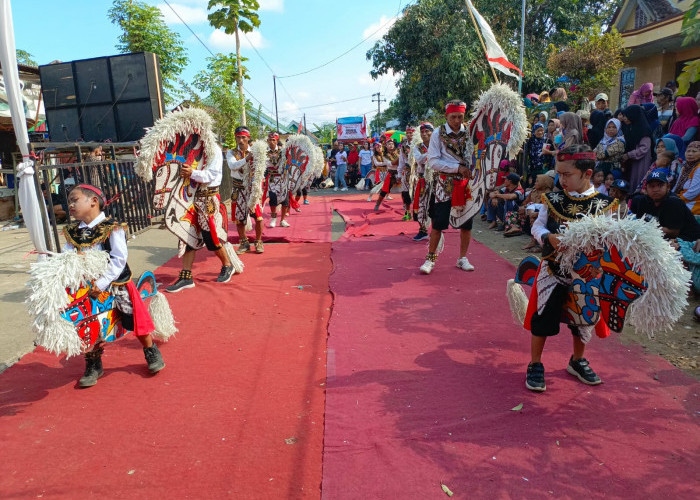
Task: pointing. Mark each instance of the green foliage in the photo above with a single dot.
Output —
(144, 30)
(325, 132)
(232, 14)
(222, 103)
(691, 24)
(436, 51)
(591, 61)
(690, 74)
(24, 57)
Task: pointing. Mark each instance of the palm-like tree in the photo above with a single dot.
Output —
(232, 16)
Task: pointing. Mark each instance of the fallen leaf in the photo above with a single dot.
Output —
(291, 440)
(447, 491)
(557, 443)
(131, 471)
(517, 408)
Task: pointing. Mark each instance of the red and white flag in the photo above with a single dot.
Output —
(494, 53)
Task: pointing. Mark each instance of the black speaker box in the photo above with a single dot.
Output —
(102, 99)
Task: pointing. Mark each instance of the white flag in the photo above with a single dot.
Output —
(494, 53)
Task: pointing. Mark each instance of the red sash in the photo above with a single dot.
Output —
(143, 324)
(419, 189)
(460, 192)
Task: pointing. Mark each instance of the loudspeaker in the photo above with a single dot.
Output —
(102, 99)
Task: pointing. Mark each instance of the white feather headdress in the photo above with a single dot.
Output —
(259, 151)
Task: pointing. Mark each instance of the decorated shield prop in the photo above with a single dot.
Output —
(297, 157)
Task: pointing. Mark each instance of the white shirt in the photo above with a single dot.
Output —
(438, 157)
(341, 158)
(211, 175)
(236, 166)
(365, 157)
(117, 255)
(421, 158)
(539, 228)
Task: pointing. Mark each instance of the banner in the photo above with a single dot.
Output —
(30, 88)
(351, 128)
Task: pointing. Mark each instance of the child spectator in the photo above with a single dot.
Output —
(611, 147)
(598, 179)
(674, 171)
(505, 200)
(530, 208)
(664, 159)
(535, 146)
(620, 190)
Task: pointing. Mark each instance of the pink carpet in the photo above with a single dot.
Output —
(423, 372)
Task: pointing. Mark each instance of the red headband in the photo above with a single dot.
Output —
(426, 126)
(588, 155)
(244, 133)
(273, 135)
(94, 190)
(455, 108)
(410, 129)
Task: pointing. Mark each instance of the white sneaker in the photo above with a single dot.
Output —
(388, 197)
(284, 223)
(335, 189)
(427, 267)
(273, 222)
(464, 265)
(344, 189)
(369, 198)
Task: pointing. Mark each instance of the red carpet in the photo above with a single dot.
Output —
(361, 219)
(311, 225)
(423, 372)
(244, 377)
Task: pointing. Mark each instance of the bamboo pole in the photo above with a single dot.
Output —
(483, 45)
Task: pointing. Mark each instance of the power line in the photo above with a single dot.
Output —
(336, 102)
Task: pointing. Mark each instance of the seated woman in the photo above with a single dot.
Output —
(688, 185)
(530, 208)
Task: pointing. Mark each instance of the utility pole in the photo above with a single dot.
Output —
(522, 47)
(379, 101)
(277, 119)
(305, 133)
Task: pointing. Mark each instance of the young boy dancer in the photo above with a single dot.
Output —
(404, 171)
(421, 197)
(278, 183)
(93, 230)
(240, 162)
(575, 166)
(446, 157)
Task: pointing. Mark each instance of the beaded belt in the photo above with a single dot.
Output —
(201, 192)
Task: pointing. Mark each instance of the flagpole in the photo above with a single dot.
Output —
(522, 48)
(483, 45)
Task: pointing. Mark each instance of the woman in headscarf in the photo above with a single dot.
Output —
(598, 121)
(687, 123)
(638, 144)
(674, 170)
(544, 97)
(610, 149)
(544, 116)
(652, 114)
(645, 93)
(559, 106)
(680, 145)
(559, 94)
(550, 142)
(572, 129)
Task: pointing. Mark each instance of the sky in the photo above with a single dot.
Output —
(294, 36)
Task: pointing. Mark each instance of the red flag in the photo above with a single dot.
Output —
(299, 128)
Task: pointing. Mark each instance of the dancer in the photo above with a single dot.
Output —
(392, 164)
(421, 197)
(247, 191)
(380, 166)
(575, 166)
(278, 185)
(404, 170)
(447, 152)
(93, 230)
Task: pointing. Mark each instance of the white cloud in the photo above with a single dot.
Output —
(273, 5)
(191, 15)
(222, 41)
(385, 23)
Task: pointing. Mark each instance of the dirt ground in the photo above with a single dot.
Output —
(681, 346)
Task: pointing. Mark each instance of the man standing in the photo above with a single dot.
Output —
(278, 184)
(404, 171)
(341, 162)
(446, 156)
(244, 178)
(601, 102)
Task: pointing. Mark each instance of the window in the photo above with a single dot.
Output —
(640, 18)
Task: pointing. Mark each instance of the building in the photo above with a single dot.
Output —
(651, 30)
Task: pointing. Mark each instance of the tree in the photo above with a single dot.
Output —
(217, 83)
(24, 57)
(144, 30)
(326, 132)
(691, 30)
(436, 50)
(235, 15)
(591, 62)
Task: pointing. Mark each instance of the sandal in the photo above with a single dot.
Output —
(516, 232)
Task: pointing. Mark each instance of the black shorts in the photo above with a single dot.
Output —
(208, 241)
(440, 216)
(548, 323)
(274, 202)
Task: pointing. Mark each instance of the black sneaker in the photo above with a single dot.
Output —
(581, 370)
(243, 247)
(535, 377)
(93, 368)
(225, 274)
(153, 358)
(184, 281)
(420, 236)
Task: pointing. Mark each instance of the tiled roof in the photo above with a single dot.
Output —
(661, 9)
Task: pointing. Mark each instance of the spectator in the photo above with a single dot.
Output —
(687, 123)
(601, 102)
(544, 116)
(531, 207)
(598, 180)
(553, 128)
(688, 185)
(365, 155)
(619, 190)
(572, 129)
(504, 201)
(559, 107)
(673, 85)
(664, 103)
(610, 149)
(341, 164)
(58, 203)
(597, 131)
(353, 165)
(673, 215)
(585, 123)
(637, 157)
(544, 97)
(644, 94)
(674, 171)
(652, 115)
(663, 162)
(535, 146)
(559, 94)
